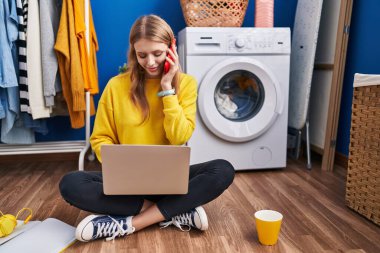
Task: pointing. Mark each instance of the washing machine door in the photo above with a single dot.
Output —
(239, 99)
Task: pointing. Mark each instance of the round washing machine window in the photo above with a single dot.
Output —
(239, 95)
(239, 99)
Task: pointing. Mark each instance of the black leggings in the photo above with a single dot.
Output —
(84, 189)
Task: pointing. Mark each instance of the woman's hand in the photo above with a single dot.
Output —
(166, 80)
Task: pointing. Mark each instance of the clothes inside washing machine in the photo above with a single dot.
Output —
(239, 95)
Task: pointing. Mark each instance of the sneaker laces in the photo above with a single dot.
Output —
(179, 221)
(113, 229)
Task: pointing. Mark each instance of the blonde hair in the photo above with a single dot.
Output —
(154, 28)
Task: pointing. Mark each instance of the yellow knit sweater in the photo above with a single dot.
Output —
(78, 72)
(171, 121)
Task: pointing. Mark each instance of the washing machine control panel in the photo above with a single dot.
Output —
(257, 43)
(232, 40)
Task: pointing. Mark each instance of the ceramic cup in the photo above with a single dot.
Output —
(268, 224)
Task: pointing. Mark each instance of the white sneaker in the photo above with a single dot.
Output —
(99, 226)
(196, 218)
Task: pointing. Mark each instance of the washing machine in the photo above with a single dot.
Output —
(243, 85)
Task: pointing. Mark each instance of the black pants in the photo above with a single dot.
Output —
(84, 189)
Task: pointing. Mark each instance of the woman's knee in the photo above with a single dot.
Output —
(68, 186)
(226, 172)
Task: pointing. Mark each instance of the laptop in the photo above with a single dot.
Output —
(145, 169)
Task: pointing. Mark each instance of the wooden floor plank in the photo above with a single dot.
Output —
(316, 218)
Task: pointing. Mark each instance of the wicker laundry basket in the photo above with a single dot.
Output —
(219, 13)
(363, 175)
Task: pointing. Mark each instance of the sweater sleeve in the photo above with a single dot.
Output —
(179, 111)
(104, 131)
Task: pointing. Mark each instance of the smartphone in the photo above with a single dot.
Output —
(167, 64)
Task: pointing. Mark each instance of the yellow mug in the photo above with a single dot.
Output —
(268, 224)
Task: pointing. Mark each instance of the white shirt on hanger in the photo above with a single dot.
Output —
(34, 63)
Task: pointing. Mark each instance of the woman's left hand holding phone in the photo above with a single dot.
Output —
(167, 78)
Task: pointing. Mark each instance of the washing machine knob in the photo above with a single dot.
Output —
(239, 43)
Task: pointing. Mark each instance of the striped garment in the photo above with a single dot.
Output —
(22, 13)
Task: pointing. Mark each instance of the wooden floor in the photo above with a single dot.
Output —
(312, 202)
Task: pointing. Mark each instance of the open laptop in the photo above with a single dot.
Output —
(145, 169)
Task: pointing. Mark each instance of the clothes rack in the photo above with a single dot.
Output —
(61, 146)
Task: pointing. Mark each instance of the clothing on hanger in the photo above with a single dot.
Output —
(72, 61)
(28, 59)
(12, 129)
(34, 63)
(49, 21)
(22, 14)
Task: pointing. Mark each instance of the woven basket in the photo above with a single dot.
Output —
(363, 175)
(227, 13)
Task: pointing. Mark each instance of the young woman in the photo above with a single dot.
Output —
(145, 105)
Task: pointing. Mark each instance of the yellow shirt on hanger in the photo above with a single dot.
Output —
(171, 118)
(88, 59)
